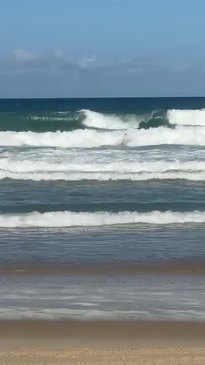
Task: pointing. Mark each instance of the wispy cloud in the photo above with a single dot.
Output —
(58, 71)
(97, 74)
(59, 54)
(87, 61)
(22, 55)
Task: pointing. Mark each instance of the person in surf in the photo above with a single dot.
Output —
(124, 139)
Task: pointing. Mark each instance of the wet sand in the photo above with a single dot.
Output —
(102, 342)
(178, 267)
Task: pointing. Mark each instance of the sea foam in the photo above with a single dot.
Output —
(108, 121)
(88, 138)
(124, 170)
(71, 219)
(195, 117)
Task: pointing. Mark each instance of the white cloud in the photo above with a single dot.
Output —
(58, 53)
(87, 61)
(22, 55)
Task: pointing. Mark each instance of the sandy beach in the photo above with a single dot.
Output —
(148, 343)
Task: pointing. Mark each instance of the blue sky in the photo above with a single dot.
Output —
(83, 48)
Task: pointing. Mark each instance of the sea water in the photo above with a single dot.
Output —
(94, 182)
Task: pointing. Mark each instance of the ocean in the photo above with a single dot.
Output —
(102, 208)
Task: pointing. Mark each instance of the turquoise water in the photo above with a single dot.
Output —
(101, 181)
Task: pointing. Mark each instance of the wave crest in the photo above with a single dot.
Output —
(102, 121)
(38, 170)
(92, 138)
(187, 117)
(71, 219)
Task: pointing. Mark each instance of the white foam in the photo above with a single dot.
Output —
(57, 176)
(51, 118)
(63, 112)
(103, 121)
(71, 219)
(74, 139)
(91, 138)
(42, 169)
(39, 165)
(187, 117)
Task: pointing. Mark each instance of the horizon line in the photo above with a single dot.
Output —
(104, 97)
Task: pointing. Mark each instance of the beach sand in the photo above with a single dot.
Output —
(102, 342)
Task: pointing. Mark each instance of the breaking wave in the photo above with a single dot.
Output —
(187, 117)
(89, 138)
(134, 171)
(71, 219)
(69, 120)
(184, 117)
(55, 176)
(103, 121)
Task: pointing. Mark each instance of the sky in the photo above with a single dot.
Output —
(102, 48)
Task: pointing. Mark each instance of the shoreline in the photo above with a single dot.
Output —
(175, 267)
(99, 330)
(101, 343)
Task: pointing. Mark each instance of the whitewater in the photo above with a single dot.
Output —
(38, 171)
(183, 127)
(194, 136)
(72, 219)
(81, 143)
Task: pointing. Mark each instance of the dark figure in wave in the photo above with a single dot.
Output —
(125, 139)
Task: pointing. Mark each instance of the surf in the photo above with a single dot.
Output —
(85, 219)
(39, 170)
(97, 120)
(188, 117)
(87, 138)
